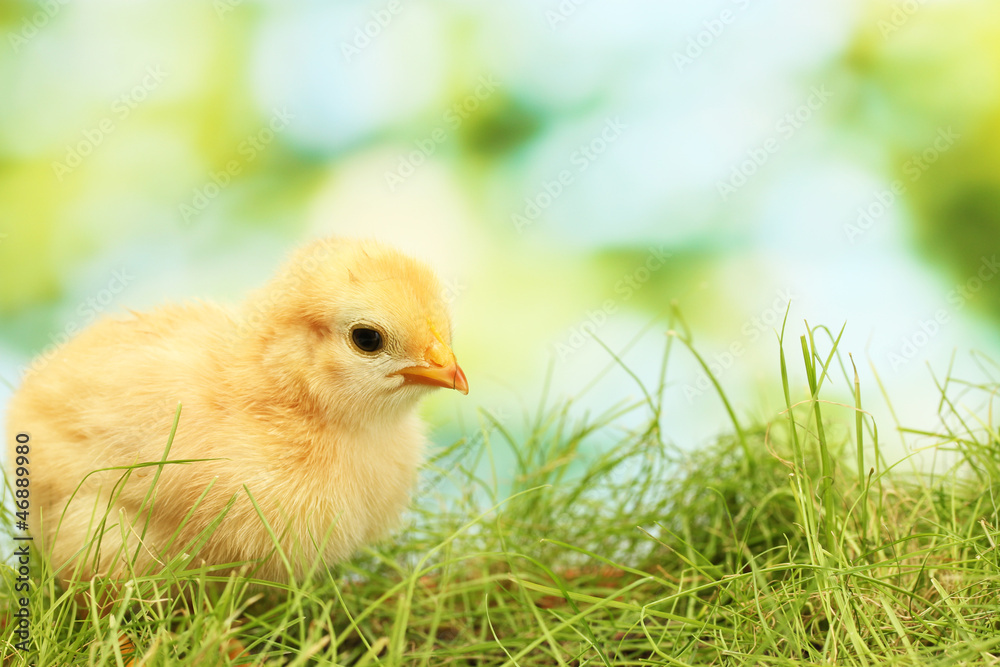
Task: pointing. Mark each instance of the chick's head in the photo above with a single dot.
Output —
(361, 324)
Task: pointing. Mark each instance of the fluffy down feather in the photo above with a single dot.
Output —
(277, 396)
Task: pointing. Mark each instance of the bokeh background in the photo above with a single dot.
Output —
(571, 167)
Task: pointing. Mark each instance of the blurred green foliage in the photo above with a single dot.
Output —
(927, 89)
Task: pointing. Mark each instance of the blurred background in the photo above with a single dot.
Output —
(570, 167)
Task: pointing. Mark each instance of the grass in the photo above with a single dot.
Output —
(788, 542)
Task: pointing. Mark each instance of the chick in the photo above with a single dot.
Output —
(298, 410)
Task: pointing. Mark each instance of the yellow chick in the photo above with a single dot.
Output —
(298, 410)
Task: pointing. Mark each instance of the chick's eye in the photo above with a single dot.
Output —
(367, 340)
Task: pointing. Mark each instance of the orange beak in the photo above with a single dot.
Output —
(442, 370)
(449, 376)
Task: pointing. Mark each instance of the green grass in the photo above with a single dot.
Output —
(791, 541)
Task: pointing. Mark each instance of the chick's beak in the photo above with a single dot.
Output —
(442, 370)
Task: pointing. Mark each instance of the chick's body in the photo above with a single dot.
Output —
(290, 413)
